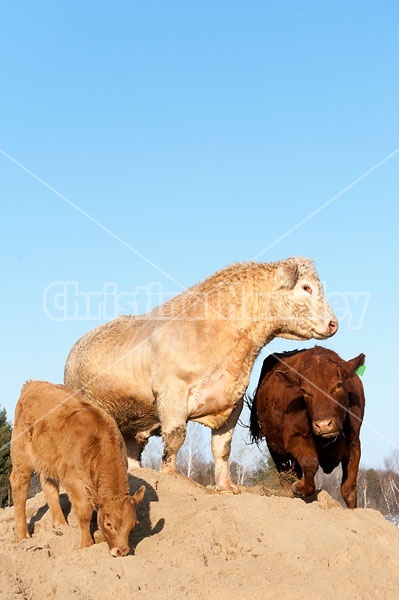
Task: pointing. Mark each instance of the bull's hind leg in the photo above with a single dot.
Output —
(221, 446)
(19, 480)
(51, 489)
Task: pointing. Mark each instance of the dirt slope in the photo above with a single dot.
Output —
(197, 544)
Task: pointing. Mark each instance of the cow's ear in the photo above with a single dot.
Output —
(353, 364)
(288, 377)
(138, 496)
(93, 497)
(286, 276)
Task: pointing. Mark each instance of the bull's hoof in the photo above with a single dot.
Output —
(227, 489)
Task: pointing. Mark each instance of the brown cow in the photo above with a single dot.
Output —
(309, 406)
(67, 439)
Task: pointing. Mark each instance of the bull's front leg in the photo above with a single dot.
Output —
(350, 467)
(221, 447)
(173, 416)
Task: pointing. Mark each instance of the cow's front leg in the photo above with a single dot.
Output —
(221, 447)
(304, 452)
(350, 469)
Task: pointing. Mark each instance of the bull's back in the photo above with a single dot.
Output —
(113, 359)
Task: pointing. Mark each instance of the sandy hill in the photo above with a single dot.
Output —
(195, 543)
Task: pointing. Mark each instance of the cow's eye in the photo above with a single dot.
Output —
(340, 385)
(307, 288)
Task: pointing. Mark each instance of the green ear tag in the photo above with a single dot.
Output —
(360, 370)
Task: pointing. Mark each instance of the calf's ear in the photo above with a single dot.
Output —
(286, 276)
(138, 496)
(93, 497)
(353, 364)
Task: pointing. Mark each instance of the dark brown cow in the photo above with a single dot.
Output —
(67, 439)
(309, 406)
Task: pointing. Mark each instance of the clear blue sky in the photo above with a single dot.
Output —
(197, 135)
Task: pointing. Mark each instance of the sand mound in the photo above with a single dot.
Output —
(195, 543)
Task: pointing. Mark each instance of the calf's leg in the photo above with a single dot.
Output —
(76, 491)
(51, 489)
(20, 479)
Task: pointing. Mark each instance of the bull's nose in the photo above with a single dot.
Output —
(333, 327)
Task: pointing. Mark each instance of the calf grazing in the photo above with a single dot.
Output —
(67, 439)
(190, 359)
(309, 405)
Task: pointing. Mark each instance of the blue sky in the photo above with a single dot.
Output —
(154, 143)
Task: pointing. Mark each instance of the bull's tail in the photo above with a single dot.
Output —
(254, 427)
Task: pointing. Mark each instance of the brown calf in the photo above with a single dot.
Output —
(66, 439)
(309, 406)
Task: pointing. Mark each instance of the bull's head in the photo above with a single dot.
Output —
(325, 393)
(116, 518)
(301, 309)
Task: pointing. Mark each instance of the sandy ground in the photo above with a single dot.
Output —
(195, 543)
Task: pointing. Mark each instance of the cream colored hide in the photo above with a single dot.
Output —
(66, 439)
(191, 358)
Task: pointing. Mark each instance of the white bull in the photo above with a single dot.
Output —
(191, 358)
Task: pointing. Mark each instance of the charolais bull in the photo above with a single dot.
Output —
(191, 358)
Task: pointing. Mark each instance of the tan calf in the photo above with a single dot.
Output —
(66, 439)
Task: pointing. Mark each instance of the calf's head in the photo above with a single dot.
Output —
(323, 385)
(301, 309)
(116, 517)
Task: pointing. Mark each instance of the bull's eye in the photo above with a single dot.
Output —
(307, 288)
(340, 385)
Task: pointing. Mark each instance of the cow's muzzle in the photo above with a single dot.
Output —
(325, 428)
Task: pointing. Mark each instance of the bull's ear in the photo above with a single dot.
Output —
(353, 364)
(93, 497)
(138, 496)
(286, 276)
(288, 377)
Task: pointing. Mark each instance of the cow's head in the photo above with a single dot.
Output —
(324, 389)
(300, 308)
(116, 518)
